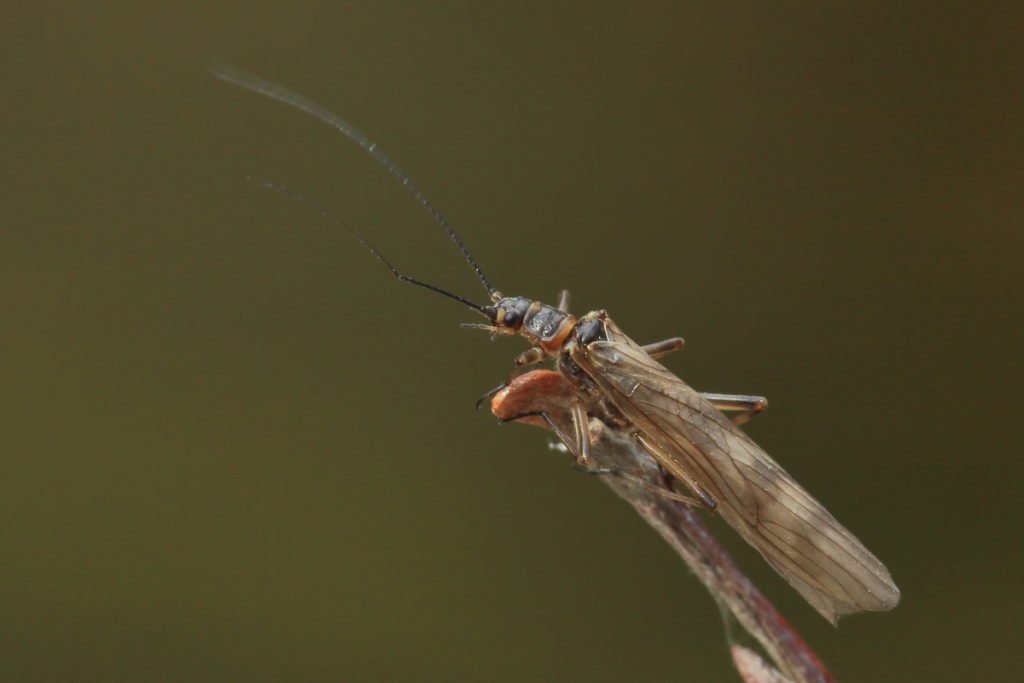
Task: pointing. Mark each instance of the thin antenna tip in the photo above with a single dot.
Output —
(240, 78)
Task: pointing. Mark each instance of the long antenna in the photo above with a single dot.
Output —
(235, 76)
(401, 277)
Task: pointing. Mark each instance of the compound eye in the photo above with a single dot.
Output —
(515, 311)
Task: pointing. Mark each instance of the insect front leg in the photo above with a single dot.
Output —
(664, 347)
(528, 357)
(746, 406)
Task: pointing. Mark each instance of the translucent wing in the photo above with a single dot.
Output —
(834, 572)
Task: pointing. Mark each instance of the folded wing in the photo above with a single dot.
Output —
(834, 572)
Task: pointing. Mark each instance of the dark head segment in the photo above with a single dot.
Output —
(545, 326)
(509, 313)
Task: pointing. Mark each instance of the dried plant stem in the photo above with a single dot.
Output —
(682, 528)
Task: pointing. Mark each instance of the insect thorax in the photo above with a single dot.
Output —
(544, 325)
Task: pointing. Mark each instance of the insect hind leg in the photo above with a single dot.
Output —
(747, 406)
(663, 347)
(579, 447)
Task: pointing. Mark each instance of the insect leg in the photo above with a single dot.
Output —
(478, 326)
(746, 406)
(563, 301)
(664, 347)
(546, 395)
(581, 429)
(661, 457)
(576, 443)
(523, 416)
(659, 491)
(529, 357)
(492, 393)
(580, 423)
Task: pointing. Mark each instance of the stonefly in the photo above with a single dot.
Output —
(687, 433)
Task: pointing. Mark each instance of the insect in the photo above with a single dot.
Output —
(644, 485)
(688, 434)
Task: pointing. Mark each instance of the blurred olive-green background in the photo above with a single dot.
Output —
(234, 449)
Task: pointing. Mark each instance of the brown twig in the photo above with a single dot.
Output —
(640, 482)
(753, 669)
